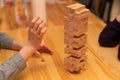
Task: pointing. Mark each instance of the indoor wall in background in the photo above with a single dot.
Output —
(115, 9)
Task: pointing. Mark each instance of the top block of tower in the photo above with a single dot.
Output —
(75, 8)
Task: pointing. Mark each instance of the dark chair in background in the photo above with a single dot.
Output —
(88, 3)
(103, 8)
(98, 7)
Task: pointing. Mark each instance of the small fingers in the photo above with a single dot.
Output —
(40, 27)
(33, 22)
(43, 30)
(38, 22)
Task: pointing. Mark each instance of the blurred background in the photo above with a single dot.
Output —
(17, 13)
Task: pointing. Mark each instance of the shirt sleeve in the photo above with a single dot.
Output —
(2, 76)
(12, 67)
(110, 35)
(5, 41)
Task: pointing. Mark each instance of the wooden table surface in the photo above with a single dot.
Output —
(102, 62)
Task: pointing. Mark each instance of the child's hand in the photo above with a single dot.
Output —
(36, 32)
(118, 18)
(35, 35)
(44, 48)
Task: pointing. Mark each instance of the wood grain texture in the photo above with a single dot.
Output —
(102, 62)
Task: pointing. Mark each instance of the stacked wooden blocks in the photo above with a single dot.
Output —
(75, 38)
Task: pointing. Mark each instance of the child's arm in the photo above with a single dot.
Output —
(12, 67)
(110, 35)
(118, 18)
(7, 42)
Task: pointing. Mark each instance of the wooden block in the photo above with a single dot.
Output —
(72, 5)
(67, 19)
(75, 53)
(82, 12)
(76, 19)
(78, 15)
(81, 18)
(74, 8)
(76, 31)
(75, 64)
(75, 42)
(75, 24)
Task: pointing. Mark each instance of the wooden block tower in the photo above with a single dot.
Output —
(75, 38)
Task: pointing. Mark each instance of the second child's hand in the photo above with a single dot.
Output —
(44, 49)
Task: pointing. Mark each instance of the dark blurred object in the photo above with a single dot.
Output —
(99, 7)
(88, 3)
(103, 8)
